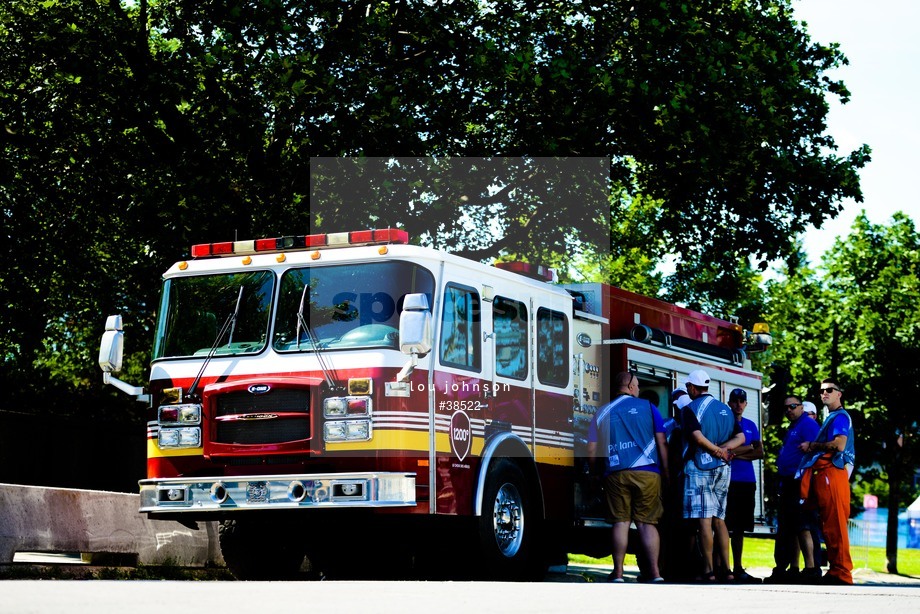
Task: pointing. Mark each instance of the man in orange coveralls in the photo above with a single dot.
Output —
(825, 473)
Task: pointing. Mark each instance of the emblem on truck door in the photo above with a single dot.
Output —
(461, 435)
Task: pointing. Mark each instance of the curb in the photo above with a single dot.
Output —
(98, 525)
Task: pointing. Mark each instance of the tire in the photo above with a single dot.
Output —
(254, 551)
(509, 525)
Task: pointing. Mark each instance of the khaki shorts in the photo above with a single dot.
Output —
(634, 496)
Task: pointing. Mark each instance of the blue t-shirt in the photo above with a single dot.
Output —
(743, 470)
(838, 422)
(628, 425)
(718, 425)
(789, 457)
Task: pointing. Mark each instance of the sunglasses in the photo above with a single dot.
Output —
(829, 390)
(791, 405)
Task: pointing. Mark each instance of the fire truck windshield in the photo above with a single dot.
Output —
(345, 306)
(193, 311)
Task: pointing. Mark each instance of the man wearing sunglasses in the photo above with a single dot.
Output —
(794, 524)
(825, 473)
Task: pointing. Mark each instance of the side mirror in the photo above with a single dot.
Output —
(111, 350)
(415, 325)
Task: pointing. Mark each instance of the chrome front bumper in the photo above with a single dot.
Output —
(264, 492)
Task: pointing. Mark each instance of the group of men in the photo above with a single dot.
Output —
(714, 472)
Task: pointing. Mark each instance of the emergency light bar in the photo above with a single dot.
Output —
(301, 242)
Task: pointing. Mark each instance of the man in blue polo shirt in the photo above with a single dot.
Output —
(710, 435)
(634, 456)
(793, 522)
(742, 490)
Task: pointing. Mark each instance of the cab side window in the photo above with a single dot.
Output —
(552, 344)
(510, 321)
(461, 329)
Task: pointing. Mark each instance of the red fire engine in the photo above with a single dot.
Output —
(360, 401)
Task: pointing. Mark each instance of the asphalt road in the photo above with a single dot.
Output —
(568, 593)
(142, 597)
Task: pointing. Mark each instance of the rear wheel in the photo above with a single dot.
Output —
(509, 525)
(259, 551)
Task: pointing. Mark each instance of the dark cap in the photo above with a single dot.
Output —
(737, 394)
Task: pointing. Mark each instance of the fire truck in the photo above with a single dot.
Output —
(348, 401)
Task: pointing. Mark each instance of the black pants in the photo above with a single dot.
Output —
(791, 520)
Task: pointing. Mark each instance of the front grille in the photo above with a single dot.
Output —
(244, 461)
(278, 430)
(276, 400)
(293, 423)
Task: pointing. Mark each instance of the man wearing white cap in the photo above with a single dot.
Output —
(710, 434)
(810, 410)
(678, 563)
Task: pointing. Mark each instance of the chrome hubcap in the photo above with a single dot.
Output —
(508, 520)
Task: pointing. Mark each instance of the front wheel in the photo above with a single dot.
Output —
(255, 551)
(509, 525)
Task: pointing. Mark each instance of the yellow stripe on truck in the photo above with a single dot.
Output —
(418, 442)
(415, 441)
(392, 440)
(154, 451)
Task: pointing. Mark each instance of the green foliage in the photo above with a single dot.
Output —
(129, 131)
(857, 319)
(870, 483)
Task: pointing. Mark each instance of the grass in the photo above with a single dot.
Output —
(141, 572)
(758, 552)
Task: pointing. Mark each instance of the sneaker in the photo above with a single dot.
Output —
(658, 580)
(613, 579)
(743, 577)
(829, 580)
(810, 575)
(780, 576)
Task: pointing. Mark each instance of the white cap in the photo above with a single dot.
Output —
(698, 378)
(810, 407)
(680, 398)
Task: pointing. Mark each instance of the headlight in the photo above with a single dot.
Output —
(179, 414)
(347, 430)
(359, 407)
(335, 407)
(188, 437)
(358, 430)
(334, 431)
(339, 407)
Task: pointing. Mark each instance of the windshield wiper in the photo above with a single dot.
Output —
(229, 325)
(302, 323)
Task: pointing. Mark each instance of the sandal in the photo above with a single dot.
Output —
(614, 579)
(726, 577)
(707, 578)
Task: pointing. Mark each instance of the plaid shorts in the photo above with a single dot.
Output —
(705, 492)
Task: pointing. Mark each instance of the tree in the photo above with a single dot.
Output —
(857, 318)
(131, 130)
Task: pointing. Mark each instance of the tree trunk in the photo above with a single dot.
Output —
(894, 500)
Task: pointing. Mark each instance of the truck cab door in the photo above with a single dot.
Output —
(463, 395)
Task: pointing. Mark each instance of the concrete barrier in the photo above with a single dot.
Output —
(97, 523)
